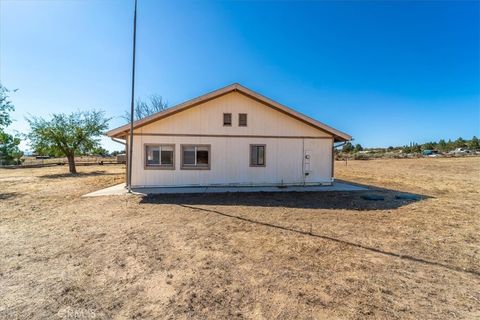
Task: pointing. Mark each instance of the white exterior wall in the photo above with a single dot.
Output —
(286, 141)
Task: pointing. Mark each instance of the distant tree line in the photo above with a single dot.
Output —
(348, 147)
(440, 146)
(78, 134)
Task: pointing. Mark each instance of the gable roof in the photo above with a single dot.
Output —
(123, 131)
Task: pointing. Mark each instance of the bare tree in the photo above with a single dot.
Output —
(144, 109)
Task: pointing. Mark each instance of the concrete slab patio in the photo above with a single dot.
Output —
(120, 189)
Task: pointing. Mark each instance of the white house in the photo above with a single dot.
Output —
(231, 136)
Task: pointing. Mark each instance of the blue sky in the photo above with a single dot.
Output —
(387, 73)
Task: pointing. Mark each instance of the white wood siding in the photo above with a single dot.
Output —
(208, 119)
(230, 162)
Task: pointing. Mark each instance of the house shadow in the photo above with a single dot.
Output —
(78, 174)
(372, 199)
(8, 195)
(352, 200)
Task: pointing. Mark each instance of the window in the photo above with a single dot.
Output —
(159, 156)
(227, 119)
(196, 156)
(242, 119)
(257, 155)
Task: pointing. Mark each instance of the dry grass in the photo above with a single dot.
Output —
(316, 255)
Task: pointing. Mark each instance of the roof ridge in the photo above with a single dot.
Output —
(220, 92)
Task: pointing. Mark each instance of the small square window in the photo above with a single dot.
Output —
(257, 155)
(242, 119)
(227, 119)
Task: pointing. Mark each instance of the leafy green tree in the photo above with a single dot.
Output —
(442, 145)
(460, 143)
(429, 146)
(450, 145)
(412, 148)
(6, 107)
(115, 153)
(474, 144)
(347, 147)
(358, 147)
(9, 150)
(99, 151)
(416, 148)
(67, 135)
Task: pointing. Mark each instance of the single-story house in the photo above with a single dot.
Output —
(230, 137)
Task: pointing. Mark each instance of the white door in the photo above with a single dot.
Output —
(307, 168)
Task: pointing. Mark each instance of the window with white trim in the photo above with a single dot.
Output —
(159, 156)
(195, 156)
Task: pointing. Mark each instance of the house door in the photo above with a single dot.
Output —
(307, 160)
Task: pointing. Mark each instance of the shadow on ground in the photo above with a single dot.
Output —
(337, 240)
(8, 195)
(78, 174)
(373, 199)
(318, 200)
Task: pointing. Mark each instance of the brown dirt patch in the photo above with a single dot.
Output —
(293, 255)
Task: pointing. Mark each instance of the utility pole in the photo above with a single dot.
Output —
(132, 103)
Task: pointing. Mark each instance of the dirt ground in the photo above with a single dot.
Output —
(328, 255)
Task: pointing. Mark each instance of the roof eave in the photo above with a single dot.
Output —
(180, 107)
(342, 139)
(123, 131)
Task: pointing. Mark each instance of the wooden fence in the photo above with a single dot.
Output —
(32, 162)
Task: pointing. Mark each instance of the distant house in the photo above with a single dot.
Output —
(231, 136)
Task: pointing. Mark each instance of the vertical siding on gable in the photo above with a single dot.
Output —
(207, 118)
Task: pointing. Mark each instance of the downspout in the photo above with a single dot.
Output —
(333, 155)
(339, 145)
(126, 153)
(119, 141)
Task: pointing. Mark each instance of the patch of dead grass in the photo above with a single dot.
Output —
(222, 256)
